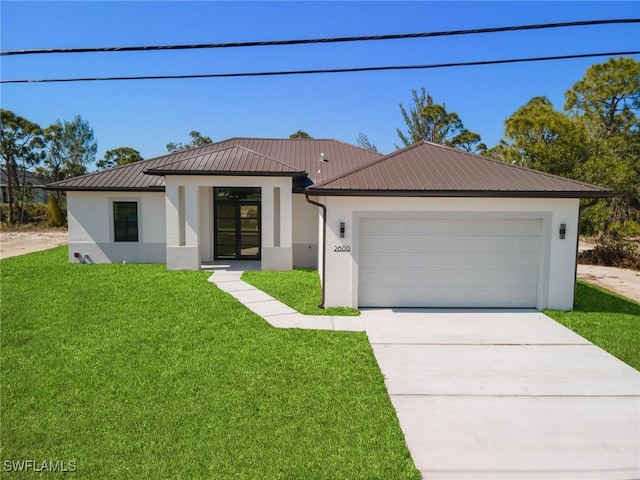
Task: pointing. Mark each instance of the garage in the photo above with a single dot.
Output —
(432, 226)
(449, 262)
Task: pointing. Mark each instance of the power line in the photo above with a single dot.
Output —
(321, 40)
(320, 71)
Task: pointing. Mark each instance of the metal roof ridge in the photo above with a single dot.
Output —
(370, 164)
(511, 165)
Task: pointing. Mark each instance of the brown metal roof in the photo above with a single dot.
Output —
(297, 155)
(428, 169)
(231, 160)
(126, 178)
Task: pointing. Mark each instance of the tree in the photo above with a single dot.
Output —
(606, 102)
(21, 146)
(300, 134)
(432, 122)
(596, 140)
(118, 157)
(70, 148)
(537, 136)
(608, 97)
(363, 142)
(469, 142)
(197, 140)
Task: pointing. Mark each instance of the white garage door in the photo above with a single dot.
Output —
(448, 262)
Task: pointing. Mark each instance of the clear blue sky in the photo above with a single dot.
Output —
(147, 114)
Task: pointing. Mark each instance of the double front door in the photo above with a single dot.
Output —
(237, 226)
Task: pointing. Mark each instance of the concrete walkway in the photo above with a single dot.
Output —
(506, 395)
(275, 312)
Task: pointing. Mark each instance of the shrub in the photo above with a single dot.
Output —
(612, 251)
(28, 213)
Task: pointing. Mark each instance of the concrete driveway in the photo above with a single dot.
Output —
(506, 395)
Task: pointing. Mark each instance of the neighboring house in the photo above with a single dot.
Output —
(425, 226)
(36, 184)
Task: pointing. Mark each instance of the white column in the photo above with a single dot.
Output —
(191, 216)
(286, 215)
(172, 209)
(187, 256)
(267, 216)
(277, 257)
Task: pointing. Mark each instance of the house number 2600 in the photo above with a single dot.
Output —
(342, 248)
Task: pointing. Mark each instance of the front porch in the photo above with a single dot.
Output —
(214, 220)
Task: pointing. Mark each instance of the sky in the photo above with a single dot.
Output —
(148, 114)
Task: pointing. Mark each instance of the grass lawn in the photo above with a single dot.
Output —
(607, 320)
(133, 371)
(300, 289)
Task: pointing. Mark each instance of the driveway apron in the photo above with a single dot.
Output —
(506, 395)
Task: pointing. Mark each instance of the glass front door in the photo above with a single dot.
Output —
(237, 223)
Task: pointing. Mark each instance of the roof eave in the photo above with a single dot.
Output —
(104, 189)
(459, 193)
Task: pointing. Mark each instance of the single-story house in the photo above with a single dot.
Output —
(425, 226)
(29, 179)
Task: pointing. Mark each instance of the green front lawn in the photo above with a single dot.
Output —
(300, 289)
(607, 320)
(133, 371)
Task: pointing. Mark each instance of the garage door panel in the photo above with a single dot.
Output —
(527, 262)
(449, 262)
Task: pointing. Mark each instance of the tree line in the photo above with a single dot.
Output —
(594, 139)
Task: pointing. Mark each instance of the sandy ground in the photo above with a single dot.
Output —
(19, 243)
(622, 281)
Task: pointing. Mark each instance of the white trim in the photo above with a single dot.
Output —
(138, 202)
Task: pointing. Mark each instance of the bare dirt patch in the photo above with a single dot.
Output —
(619, 280)
(623, 281)
(19, 243)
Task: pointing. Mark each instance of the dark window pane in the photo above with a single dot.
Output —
(250, 240)
(226, 224)
(226, 210)
(226, 250)
(226, 238)
(237, 193)
(249, 225)
(125, 221)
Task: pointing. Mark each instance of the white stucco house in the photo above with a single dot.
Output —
(425, 226)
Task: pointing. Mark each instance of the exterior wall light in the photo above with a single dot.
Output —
(341, 229)
(563, 230)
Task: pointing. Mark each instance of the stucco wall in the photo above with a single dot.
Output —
(557, 264)
(305, 233)
(90, 218)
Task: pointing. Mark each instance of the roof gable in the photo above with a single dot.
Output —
(429, 169)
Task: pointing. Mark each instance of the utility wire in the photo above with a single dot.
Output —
(321, 40)
(319, 71)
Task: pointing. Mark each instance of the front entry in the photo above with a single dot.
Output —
(237, 223)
